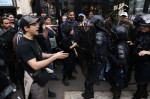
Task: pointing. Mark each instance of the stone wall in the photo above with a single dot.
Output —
(24, 6)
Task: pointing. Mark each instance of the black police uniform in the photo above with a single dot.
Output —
(6, 46)
(142, 65)
(93, 47)
(119, 59)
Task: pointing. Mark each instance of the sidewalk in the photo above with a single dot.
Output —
(77, 86)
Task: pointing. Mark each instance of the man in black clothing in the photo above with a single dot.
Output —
(6, 46)
(93, 45)
(13, 22)
(31, 57)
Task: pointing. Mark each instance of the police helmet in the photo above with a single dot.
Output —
(139, 14)
(98, 20)
(138, 19)
(145, 20)
(119, 32)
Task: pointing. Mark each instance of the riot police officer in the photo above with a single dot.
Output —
(142, 56)
(93, 46)
(119, 59)
(136, 22)
(135, 34)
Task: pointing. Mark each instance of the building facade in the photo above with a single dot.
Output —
(58, 8)
(137, 6)
(16, 6)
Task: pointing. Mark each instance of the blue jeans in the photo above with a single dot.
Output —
(101, 67)
(51, 67)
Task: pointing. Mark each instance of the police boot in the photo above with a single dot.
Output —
(65, 81)
(141, 92)
(116, 92)
(89, 93)
(145, 93)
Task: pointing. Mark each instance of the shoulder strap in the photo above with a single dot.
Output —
(16, 39)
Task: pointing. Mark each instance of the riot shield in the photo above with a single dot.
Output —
(86, 39)
(85, 36)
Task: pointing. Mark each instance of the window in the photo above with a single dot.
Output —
(6, 3)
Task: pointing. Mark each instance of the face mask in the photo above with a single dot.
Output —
(80, 19)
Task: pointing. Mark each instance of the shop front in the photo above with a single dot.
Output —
(59, 8)
(136, 6)
(79, 6)
(7, 6)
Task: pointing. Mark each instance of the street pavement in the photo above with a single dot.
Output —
(98, 95)
(77, 85)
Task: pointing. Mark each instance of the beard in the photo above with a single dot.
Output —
(71, 19)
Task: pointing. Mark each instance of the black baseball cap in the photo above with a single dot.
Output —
(27, 21)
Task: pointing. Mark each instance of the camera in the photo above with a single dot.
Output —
(126, 8)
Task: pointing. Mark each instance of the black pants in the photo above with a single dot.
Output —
(142, 72)
(69, 66)
(89, 92)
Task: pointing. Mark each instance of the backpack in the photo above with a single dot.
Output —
(16, 39)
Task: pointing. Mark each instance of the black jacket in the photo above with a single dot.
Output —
(67, 41)
(142, 43)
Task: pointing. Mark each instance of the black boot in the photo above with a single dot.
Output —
(71, 77)
(116, 92)
(89, 93)
(145, 93)
(92, 95)
(141, 92)
(51, 94)
(65, 81)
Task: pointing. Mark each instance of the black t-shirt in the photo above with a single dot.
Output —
(27, 50)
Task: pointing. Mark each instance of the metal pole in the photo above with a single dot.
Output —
(104, 6)
(90, 3)
(146, 6)
(135, 2)
(78, 5)
(57, 9)
(38, 7)
(127, 2)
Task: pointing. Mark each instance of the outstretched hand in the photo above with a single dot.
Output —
(61, 55)
(50, 26)
(75, 44)
(130, 42)
(142, 53)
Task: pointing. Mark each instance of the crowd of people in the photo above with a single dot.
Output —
(106, 48)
